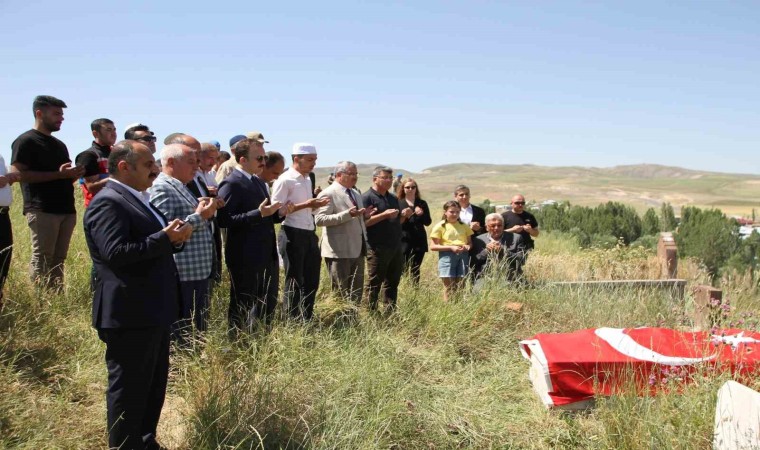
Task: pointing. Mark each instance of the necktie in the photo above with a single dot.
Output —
(202, 184)
(351, 196)
(260, 185)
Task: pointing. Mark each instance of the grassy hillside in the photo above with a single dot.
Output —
(436, 375)
(641, 186)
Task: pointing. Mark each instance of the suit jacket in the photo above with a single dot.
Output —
(251, 239)
(344, 236)
(479, 215)
(136, 282)
(193, 187)
(173, 199)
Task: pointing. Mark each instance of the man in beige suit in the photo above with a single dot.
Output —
(343, 241)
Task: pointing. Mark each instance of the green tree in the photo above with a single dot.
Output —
(651, 223)
(487, 206)
(667, 218)
(708, 236)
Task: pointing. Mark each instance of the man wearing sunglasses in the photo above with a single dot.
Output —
(251, 250)
(522, 222)
(142, 134)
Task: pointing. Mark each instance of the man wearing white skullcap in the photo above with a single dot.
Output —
(297, 239)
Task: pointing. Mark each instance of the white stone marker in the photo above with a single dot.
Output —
(737, 418)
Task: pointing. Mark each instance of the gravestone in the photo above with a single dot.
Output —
(707, 306)
(667, 253)
(737, 418)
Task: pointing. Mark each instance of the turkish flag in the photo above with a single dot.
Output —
(572, 368)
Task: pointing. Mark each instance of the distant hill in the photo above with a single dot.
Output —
(642, 185)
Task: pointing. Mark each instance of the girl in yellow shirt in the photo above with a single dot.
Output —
(452, 239)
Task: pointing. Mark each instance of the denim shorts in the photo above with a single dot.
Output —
(452, 265)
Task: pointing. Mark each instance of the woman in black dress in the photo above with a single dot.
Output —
(414, 240)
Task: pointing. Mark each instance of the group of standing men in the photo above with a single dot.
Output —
(153, 231)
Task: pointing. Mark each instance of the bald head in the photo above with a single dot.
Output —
(185, 139)
(518, 203)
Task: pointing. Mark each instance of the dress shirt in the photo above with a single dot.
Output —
(465, 215)
(293, 187)
(209, 178)
(6, 194)
(144, 197)
(351, 197)
(244, 172)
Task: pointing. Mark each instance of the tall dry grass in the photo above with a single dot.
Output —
(434, 375)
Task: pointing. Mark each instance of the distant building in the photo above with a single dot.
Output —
(746, 230)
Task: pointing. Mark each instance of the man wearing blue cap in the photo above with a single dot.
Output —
(228, 166)
(396, 183)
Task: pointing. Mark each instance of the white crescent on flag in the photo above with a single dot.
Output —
(625, 344)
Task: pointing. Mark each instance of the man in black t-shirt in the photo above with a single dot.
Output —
(385, 257)
(48, 190)
(95, 158)
(520, 221)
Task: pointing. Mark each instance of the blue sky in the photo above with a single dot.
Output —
(408, 84)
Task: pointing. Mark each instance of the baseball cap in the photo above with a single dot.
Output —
(256, 136)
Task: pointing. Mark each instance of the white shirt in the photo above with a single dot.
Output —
(465, 215)
(293, 187)
(210, 178)
(144, 197)
(6, 193)
(243, 171)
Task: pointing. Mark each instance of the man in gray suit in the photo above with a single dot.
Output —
(498, 250)
(344, 240)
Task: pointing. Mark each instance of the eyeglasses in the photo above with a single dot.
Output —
(146, 139)
(261, 158)
(410, 187)
(518, 203)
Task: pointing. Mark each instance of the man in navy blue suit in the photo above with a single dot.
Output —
(136, 296)
(251, 249)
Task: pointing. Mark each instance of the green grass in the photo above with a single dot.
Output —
(436, 375)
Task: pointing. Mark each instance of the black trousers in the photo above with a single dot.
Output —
(253, 294)
(138, 370)
(216, 270)
(6, 247)
(384, 268)
(302, 270)
(412, 262)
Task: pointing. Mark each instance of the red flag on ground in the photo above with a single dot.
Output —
(569, 369)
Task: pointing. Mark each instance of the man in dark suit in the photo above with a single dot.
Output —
(202, 186)
(251, 248)
(472, 215)
(136, 295)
